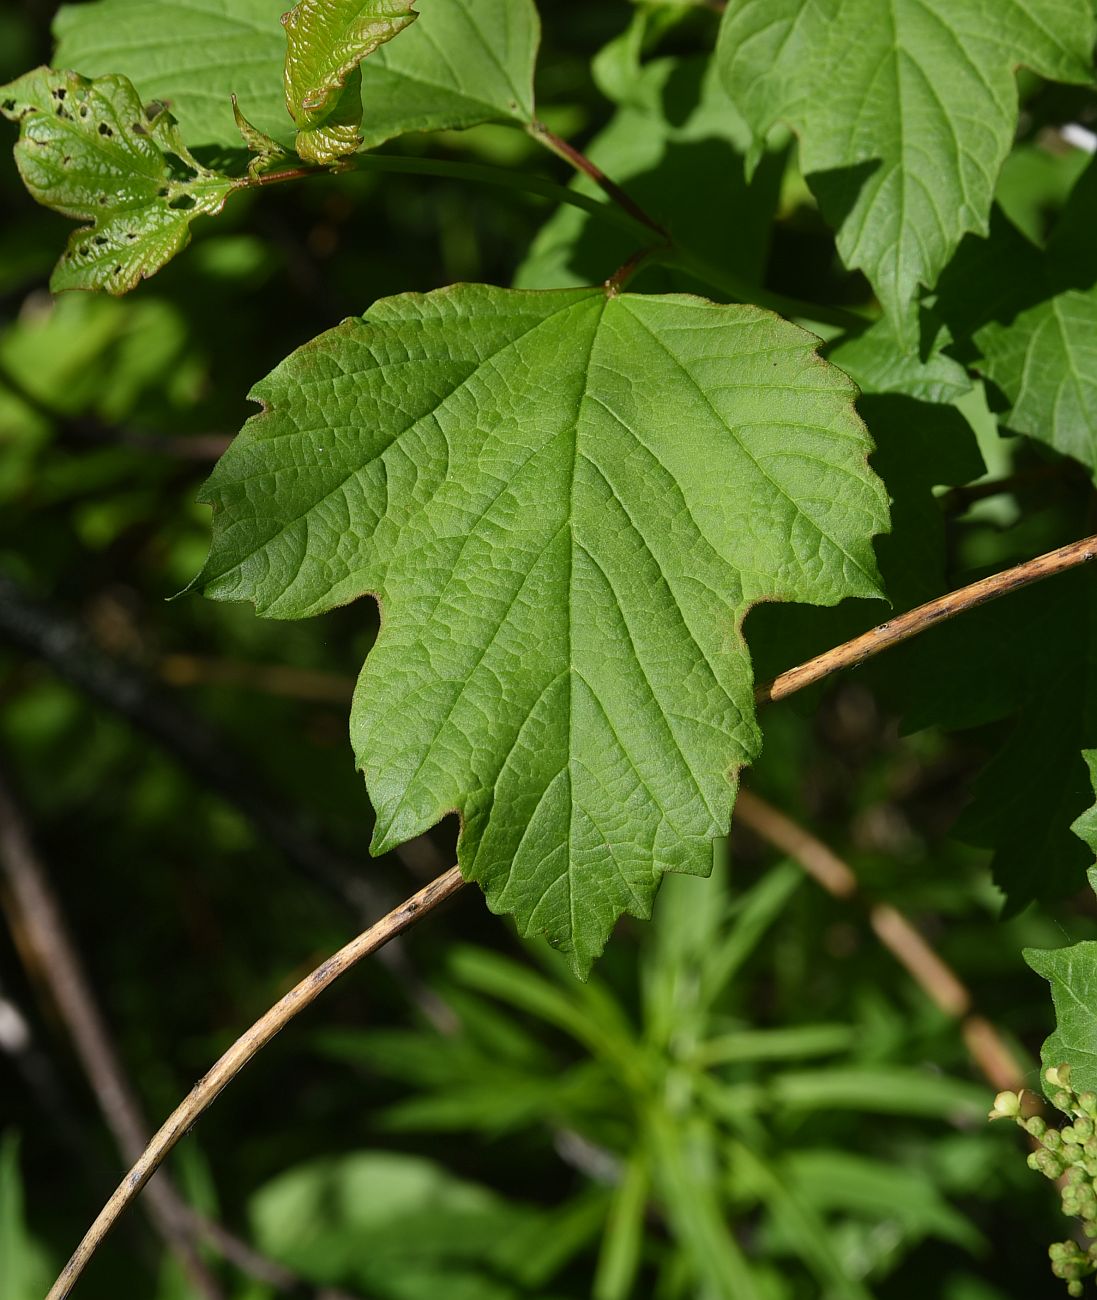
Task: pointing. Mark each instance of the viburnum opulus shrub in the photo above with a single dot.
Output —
(567, 494)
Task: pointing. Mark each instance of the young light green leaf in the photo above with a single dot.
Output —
(326, 41)
(566, 502)
(91, 150)
(462, 62)
(264, 149)
(905, 111)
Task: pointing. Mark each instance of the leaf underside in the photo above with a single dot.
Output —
(905, 112)
(91, 150)
(212, 49)
(566, 502)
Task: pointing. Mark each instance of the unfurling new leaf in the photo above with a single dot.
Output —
(93, 151)
(326, 40)
(566, 502)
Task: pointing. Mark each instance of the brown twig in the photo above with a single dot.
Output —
(572, 156)
(36, 918)
(271, 679)
(919, 620)
(207, 1089)
(937, 979)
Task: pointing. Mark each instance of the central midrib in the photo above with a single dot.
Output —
(573, 676)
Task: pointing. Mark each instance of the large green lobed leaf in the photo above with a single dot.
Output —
(462, 62)
(566, 502)
(905, 109)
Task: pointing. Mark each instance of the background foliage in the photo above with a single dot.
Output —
(750, 1097)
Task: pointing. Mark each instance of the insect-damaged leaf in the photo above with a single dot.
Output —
(91, 150)
(326, 40)
(462, 62)
(566, 502)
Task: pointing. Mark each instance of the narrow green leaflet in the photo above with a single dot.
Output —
(462, 62)
(565, 502)
(905, 111)
(91, 150)
(326, 41)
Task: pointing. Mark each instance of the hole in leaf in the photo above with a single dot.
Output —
(138, 129)
(99, 240)
(178, 169)
(182, 203)
(83, 110)
(104, 129)
(8, 106)
(117, 271)
(59, 93)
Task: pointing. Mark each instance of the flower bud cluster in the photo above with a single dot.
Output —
(1067, 1155)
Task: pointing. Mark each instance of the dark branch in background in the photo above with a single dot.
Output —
(939, 981)
(33, 914)
(19, 1045)
(43, 632)
(88, 430)
(208, 1088)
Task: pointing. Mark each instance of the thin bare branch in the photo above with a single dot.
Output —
(36, 916)
(905, 626)
(44, 931)
(909, 947)
(208, 1088)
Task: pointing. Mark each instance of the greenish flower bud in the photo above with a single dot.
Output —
(1052, 1140)
(1048, 1164)
(1070, 1136)
(1007, 1105)
(1063, 1101)
(1087, 1104)
(1083, 1127)
(1036, 1126)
